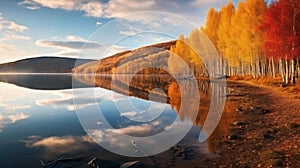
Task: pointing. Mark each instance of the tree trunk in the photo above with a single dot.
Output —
(293, 75)
(287, 72)
(297, 68)
(281, 70)
(273, 68)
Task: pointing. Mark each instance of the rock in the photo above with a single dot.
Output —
(239, 123)
(179, 152)
(233, 137)
(268, 135)
(101, 163)
(133, 164)
(264, 111)
(292, 125)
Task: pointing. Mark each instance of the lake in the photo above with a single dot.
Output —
(46, 117)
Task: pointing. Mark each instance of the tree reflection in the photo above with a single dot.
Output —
(212, 94)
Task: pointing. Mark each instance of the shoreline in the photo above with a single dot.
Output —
(266, 130)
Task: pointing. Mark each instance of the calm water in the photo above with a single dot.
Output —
(38, 120)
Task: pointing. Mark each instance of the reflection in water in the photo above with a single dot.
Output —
(142, 85)
(55, 144)
(212, 94)
(41, 81)
(44, 125)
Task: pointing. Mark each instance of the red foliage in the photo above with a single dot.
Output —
(281, 30)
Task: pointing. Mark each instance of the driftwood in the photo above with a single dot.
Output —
(61, 159)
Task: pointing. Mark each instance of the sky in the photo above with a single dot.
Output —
(93, 28)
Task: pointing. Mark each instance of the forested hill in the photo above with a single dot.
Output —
(128, 59)
(42, 65)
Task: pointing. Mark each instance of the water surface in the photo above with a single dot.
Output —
(38, 119)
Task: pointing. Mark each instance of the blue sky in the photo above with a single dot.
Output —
(31, 28)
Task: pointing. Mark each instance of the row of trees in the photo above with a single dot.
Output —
(254, 38)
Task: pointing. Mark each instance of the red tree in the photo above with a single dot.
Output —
(281, 27)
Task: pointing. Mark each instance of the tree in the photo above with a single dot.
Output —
(282, 36)
(224, 29)
(247, 35)
(212, 25)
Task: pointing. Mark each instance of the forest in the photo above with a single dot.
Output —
(253, 38)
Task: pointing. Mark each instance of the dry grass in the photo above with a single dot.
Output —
(269, 81)
(275, 83)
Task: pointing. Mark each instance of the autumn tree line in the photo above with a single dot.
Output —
(255, 38)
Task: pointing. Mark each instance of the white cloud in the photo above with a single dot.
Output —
(75, 38)
(62, 4)
(119, 8)
(6, 47)
(207, 3)
(90, 8)
(57, 144)
(128, 33)
(93, 9)
(29, 4)
(68, 44)
(16, 117)
(116, 49)
(72, 45)
(1, 118)
(129, 114)
(155, 123)
(65, 100)
(98, 23)
(7, 35)
(10, 119)
(9, 30)
(136, 129)
(11, 25)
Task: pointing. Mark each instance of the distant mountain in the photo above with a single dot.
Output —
(43, 81)
(126, 61)
(42, 65)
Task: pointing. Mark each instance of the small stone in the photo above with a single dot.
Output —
(292, 125)
(268, 135)
(264, 111)
(179, 152)
(238, 123)
(233, 137)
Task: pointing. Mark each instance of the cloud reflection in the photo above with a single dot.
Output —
(60, 145)
(10, 119)
(16, 117)
(15, 108)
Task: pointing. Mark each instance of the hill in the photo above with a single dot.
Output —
(42, 65)
(125, 59)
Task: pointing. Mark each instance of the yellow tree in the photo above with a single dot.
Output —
(212, 25)
(248, 36)
(224, 29)
(179, 57)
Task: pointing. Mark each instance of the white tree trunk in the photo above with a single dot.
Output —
(293, 80)
(287, 72)
(273, 68)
